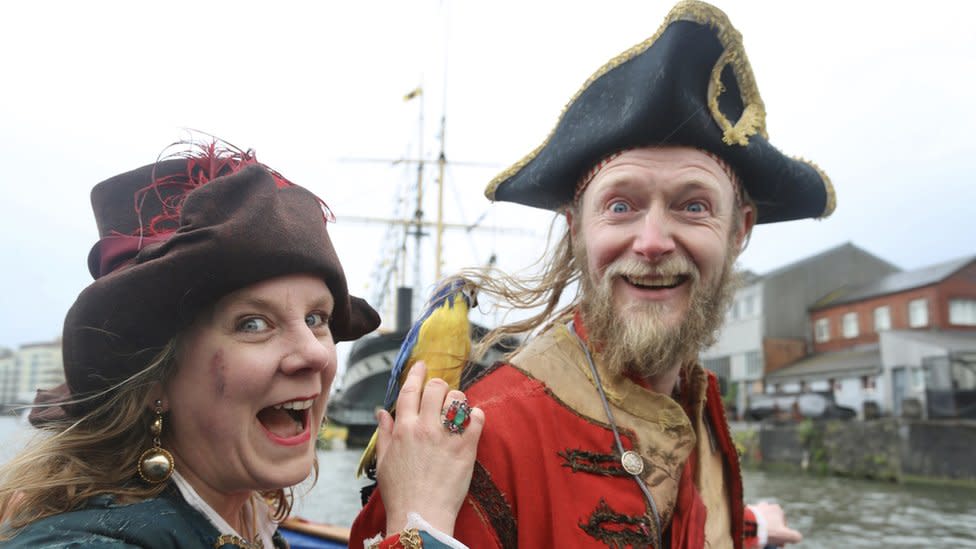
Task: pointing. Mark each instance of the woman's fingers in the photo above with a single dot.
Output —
(477, 424)
(432, 403)
(408, 401)
(424, 404)
(384, 430)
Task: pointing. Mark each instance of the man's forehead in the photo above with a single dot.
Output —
(614, 167)
(674, 157)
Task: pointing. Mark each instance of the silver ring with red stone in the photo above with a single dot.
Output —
(457, 416)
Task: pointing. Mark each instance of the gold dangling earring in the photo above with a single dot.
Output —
(156, 464)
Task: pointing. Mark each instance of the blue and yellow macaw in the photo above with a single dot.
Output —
(441, 338)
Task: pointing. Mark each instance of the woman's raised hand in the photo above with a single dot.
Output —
(425, 457)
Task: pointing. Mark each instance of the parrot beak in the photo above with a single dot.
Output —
(470, 293)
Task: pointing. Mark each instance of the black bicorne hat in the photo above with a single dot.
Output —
(688, 85)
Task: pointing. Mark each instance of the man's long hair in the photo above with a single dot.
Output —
(543, 290)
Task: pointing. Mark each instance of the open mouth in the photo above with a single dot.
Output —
(656, 282)
(287, 419)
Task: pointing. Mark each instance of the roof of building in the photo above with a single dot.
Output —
(747, 277)
(42, 344)
(894, 283)
(815, 258)
(854, 362)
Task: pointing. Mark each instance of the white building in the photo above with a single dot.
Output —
(737, 356)
(853, 376)
(8, 379)
(937, 369)
(33, 366)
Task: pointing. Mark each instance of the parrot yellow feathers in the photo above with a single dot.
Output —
(441, 338)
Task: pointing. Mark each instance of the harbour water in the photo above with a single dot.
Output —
(831, 512)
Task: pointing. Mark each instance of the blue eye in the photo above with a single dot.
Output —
(313, 320)
(619, 206)
(253, 324)
(696, 207)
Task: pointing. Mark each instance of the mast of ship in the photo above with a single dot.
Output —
(417, 224)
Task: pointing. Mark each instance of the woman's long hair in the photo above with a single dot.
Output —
(74, 459)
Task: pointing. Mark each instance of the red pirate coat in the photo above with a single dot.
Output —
(549, 474)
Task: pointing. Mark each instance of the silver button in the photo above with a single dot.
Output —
(632, 462)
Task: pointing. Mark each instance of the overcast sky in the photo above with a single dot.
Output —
(879, 94)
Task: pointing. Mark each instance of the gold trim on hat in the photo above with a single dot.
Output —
(687, 10)
(753, 118)
(831, 202)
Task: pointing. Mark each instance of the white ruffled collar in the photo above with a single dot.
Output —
(265, 526)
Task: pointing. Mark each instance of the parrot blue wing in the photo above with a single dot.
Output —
(444, 292)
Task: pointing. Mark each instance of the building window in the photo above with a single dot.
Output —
(722, 366)
(748, 306)
(868, 383)
(918, 379)
(918, 313)
(882, 319)
(850, 325)
(754, 365)
(962, 312)
(821, 330)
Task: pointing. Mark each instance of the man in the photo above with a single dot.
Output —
(603, 429)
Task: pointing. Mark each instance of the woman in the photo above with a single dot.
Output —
(198, 365)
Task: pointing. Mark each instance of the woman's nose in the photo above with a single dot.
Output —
(307, 351)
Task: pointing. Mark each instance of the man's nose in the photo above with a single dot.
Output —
(307, 351)
(654, 238)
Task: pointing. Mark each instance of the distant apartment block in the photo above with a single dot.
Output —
(8, 379)
(33, 366)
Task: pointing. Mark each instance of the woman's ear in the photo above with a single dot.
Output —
(156, 393)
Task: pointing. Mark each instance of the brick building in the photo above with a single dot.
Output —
(940, 297)
(904, 336)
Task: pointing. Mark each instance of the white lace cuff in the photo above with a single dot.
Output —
(762, 531)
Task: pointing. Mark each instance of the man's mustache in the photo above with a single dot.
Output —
(675, 265)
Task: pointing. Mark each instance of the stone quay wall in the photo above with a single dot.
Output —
(887, 448)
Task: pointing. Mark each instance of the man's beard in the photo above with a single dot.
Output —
(642, 341)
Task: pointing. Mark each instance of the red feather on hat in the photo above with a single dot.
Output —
(205, 162)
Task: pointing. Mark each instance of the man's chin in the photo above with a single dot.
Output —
(653, 316)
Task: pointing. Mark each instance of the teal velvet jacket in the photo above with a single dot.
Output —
(165, 522)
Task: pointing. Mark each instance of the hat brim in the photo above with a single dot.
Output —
(688, 85)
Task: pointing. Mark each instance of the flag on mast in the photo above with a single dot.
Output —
(413, 93)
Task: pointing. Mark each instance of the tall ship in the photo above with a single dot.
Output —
(362, 387)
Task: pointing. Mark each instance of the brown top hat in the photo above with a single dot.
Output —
(690, 84)
(175, 237)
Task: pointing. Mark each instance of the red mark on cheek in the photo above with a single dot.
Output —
(218, 371)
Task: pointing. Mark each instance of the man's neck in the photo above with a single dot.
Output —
(663, 383)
